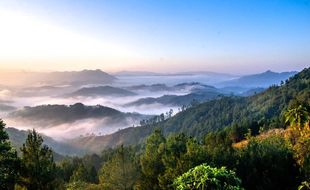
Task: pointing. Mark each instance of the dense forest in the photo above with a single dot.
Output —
(258, 142)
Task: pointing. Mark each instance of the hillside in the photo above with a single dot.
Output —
(264, 79)
(102, 91)
(176, 100)
(191, 86)
(57, 78)
(18, 138)
(264, 109)
(151, 88)
(195, 86)
(5, 108)
(46, 115)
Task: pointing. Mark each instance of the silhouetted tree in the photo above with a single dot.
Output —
(9, 162)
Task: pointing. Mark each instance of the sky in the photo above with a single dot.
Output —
(232, 36)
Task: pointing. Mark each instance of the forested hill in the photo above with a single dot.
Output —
(18, 138)
(262, 110)
(51, 115)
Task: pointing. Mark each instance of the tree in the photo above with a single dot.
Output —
(299, 134)
(204, 177)
(151, 161)
(305, 185)
(121, 172)
(80, 174)
(267, 164)
(173, 151)
(180, 153)
(9, 162)
(67, 167)
(297, 116)
(39, 170)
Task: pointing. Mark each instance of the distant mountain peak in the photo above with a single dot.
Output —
(102, 91)
(269, 71)
(264, 79)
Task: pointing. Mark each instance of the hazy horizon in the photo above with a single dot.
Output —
(150, 71)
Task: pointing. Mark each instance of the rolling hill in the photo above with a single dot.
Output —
(47, 115)
(151, 88)
(263, 109)
(264, 79)
(176, 100)
(18, 138)
(57, 78)
(102, 91)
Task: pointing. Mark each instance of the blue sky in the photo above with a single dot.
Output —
(237, 36)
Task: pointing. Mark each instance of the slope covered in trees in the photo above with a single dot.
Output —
(176, 100)
(101, 91)
(264, 79)
(179, 161)
(264, 110)
(18, 137)
(45, 115)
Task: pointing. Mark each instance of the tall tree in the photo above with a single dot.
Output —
(80, 174)
(39, 170)
(267, 164)
(175, 159)
(151, 161)
(9, 162)
(121, 172)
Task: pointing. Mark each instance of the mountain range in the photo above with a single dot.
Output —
(197, 121)
(214, 112)
(177, 100)
(49, 115)
(18, 138)
(102, 91)
(264, 79)
(57, 78)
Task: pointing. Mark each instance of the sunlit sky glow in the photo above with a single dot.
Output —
(237, 36)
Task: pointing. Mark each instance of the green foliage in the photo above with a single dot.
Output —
(9, 163)
(121, 171)
(38, 167)
(165, 159)
(204, 177)
(180, 153)
(67, 167)
(266, 108)
(267, 164)
(297, 116)
(219, 149)
(173, 151)
(151, 162)
(76, 185)
(302, 152)
(305, 185)
(275, 162)
(80, 185)
(80, 174)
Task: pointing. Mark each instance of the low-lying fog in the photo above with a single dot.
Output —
(15, 98)
(51, 97)
(170, 80)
